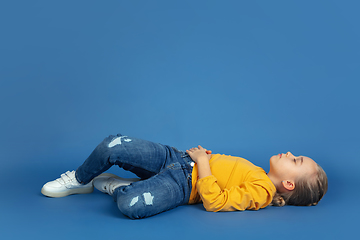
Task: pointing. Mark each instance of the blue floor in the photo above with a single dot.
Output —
(244, 78)
(26, 213)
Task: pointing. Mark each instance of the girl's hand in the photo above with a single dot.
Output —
(199, 154)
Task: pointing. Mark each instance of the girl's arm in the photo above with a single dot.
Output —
(254, 194)
(201, 156)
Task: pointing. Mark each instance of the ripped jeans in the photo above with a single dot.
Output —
(165, 174)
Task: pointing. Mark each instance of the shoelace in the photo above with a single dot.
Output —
(110, 187)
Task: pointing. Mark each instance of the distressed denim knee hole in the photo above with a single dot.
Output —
(118, 141)
(136, 206)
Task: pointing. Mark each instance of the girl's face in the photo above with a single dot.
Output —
(290, 167)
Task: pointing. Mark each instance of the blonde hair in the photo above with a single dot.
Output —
(306, 192)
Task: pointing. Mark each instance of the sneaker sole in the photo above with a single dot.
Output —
(116, 177)
(68, 192)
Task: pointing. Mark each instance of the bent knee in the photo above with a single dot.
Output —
(137, 207)
(118, 140)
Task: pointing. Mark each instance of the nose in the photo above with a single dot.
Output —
(289, 154)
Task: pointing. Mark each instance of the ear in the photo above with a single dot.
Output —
(288, 185)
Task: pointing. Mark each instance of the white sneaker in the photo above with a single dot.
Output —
(66, 185)
(108, 182)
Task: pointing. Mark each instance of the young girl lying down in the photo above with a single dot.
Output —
(169, 178)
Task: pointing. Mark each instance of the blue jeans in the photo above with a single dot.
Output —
(165, 174)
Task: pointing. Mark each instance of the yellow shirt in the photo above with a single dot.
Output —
(235, 184)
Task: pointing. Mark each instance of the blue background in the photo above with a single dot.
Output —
(246, 78)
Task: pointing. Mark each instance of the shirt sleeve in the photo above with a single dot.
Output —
(249, 195)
